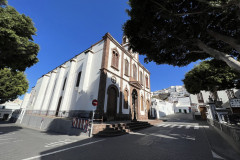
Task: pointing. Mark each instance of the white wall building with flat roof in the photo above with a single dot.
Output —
(183, 105)
(161, 108)
(7, 108)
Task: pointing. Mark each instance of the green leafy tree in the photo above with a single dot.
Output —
(178, 32)
(211, 75)
(17, 49)
(12, 84)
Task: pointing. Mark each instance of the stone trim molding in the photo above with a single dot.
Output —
(122, 78)
(108, 35)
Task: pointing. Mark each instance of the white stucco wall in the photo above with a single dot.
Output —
(162, 108)
(25, 101)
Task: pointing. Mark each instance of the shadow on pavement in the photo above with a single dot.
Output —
(64, 127)
(140, 145)
(6, 127)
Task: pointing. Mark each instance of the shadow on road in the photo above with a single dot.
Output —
(136, 145)
(64, 127)
(7, 127)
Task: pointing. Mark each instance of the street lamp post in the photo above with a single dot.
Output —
(134, 97)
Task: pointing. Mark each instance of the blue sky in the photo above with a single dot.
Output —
(66, 28)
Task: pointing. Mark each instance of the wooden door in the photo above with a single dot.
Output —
(203, 112)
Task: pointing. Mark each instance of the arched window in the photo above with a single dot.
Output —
(142, 109)
(126, 67)
(126, 99)
(146, 78)
(134, 72)
(115, 59)
(141, 78)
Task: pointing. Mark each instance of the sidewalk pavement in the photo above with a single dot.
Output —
(220, 144)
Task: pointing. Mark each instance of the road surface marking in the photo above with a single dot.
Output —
(62, 150)
(66, 141)
(173, 126)
(180, 126)
(216, 156)
(136, 133)
(188, 126)
(166, 125)
(11, 142)
(6, 139)
(196, 127)
(163, 136)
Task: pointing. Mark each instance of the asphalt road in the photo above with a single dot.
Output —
(180, 138)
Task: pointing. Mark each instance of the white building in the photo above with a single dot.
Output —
(107, 71)
(200, 101)
(7, 108)
(177, 102)
(161, 108)
(183, 105)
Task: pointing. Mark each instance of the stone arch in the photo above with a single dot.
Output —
(114, 86)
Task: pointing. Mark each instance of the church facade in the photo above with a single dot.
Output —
(107, 71)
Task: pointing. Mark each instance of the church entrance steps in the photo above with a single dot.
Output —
(117, 129)
(153, 121)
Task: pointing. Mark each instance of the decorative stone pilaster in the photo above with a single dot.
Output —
(57, 90)
(49, 91)
(69, 86)
(101, 93)
(41, 92)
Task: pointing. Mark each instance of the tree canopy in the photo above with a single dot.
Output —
(3, 2)
(211, 75)
(17, 49)
(12, 84)
(178, 32)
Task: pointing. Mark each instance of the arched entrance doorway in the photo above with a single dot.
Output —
(134, 104)
(112, 102)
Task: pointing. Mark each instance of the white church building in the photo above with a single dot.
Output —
(107, 71)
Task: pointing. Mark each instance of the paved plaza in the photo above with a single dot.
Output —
(178, 138)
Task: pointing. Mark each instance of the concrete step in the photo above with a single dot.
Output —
(122, 128)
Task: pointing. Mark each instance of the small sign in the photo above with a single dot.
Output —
(94, 102)
(234, 103)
